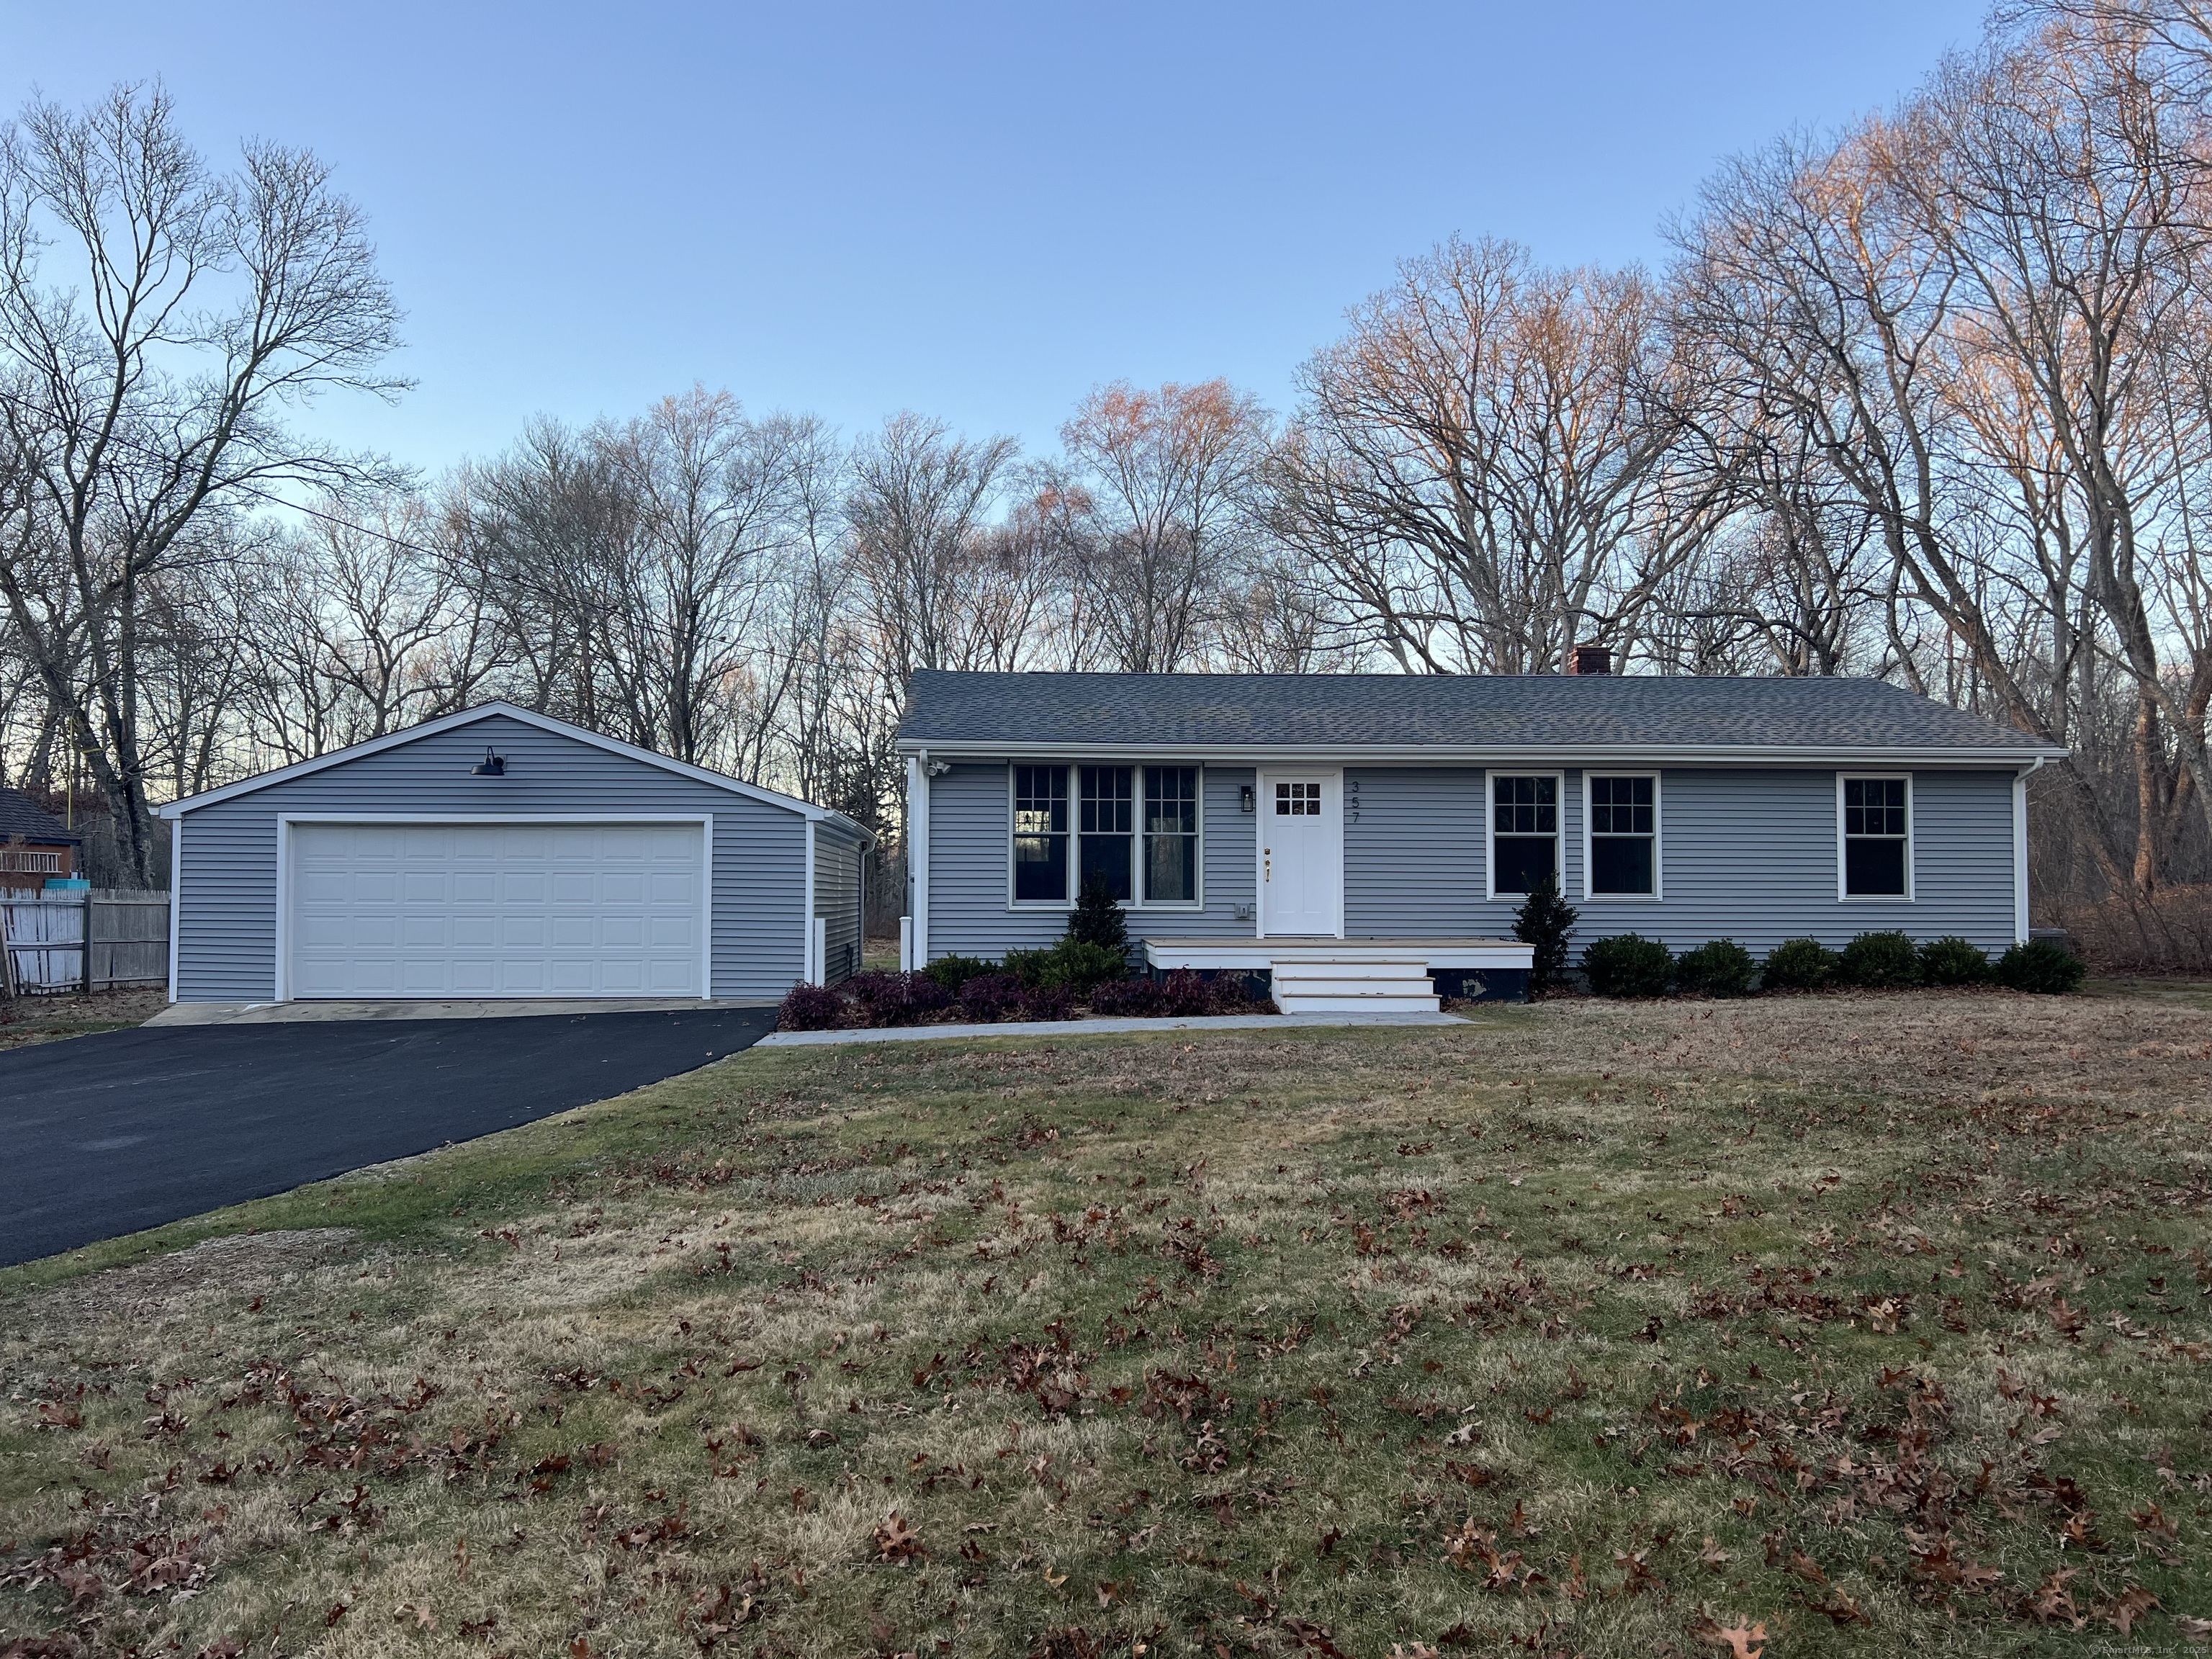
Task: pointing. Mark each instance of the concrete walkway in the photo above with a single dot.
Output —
(1097, 1027)
(291, 1013)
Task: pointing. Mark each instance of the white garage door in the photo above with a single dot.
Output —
(497, 909)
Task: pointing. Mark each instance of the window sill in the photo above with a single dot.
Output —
(1874, 898)
(1624, 899)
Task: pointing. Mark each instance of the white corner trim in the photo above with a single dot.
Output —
(1490, 777)
(528, 717)
(917, 852)
(1590, 894)
(2018, 857)
(1912, 836)
(706, 903)
(280, 970)
(176, 898)
(809, 970)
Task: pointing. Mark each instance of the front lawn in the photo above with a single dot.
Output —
(1875, 1322)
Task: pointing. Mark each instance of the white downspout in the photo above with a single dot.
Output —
(2020, 849)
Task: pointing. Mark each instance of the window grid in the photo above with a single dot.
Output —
(1040, 835)
(1877, 839)
(1524, 833)
(1170, 835)
(1151, 858)
(1297, 800)
(1624, 838)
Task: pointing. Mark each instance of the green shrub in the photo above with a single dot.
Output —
(1797, 964)
(2040, 965)
(1628, 966)
(1097, 918)
(1721, 968)
(1953, 961)
(950, 973)
(1544, 922)
(1077, 966)
(1881, 962)
(1027, 966)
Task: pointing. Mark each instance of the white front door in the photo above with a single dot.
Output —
(1301, 853)
(402, 910)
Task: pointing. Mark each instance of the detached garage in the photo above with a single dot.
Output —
(499, 853)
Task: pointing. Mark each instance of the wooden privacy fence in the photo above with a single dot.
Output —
(92, 940)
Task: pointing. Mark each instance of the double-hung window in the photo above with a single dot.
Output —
(1877, 837)
(1524, 833)
(1624, 837)
(1170, 835)
(1110, 816)
(1136, 828)
(1040, 835)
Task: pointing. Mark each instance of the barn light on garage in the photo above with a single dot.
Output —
(491, 766)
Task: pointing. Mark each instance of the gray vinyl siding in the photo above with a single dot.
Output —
(227, 908)
(837, 901)
(1745, 853)
(1412, 852)
(970, 849)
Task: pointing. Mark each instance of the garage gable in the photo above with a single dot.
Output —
(500, 854)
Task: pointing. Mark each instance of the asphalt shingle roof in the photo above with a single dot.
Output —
(21, 815)
(1458, 711)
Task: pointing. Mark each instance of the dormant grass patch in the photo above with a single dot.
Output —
(1824, 1325)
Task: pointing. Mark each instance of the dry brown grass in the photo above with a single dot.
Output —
(26, 1020)
(1593, 1329)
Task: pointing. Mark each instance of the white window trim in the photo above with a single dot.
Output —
(282, 976)
(1590, 894)
(1261, 778)
(1912, 835)
(1490, 828)
(1075, 770)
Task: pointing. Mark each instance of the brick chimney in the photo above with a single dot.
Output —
(1589, 660)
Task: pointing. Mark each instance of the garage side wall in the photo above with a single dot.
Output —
(226, 905)
(837, 901)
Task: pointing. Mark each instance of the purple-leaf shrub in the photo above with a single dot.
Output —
(1048, 1002)
(811, 1008)
(990, 996)
(1129, 998)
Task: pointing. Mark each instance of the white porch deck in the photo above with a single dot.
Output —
(1261, 955)
(1345, 976)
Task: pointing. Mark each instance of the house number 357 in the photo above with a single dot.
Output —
(1352, 798)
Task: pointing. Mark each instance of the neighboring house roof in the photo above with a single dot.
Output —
(21, 816)
(1412, 716)
(528, 717)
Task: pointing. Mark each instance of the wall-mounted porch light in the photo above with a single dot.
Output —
(1244, 799)
(491, 766)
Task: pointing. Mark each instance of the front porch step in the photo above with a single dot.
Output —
(1313, 985)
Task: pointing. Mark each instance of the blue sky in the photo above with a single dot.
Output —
(977, 211)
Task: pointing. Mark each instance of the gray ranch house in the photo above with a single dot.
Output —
(497, 852)
(1364, 839)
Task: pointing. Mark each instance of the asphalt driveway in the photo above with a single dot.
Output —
(103, 1135)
